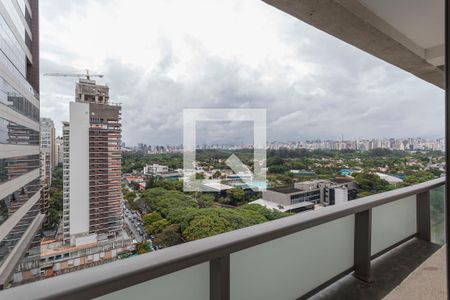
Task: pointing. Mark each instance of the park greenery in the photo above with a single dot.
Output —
(316, 164)
(172, 216)
(176, 217)
(55, 199)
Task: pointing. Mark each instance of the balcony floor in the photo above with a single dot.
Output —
(426, 282)
(391, 276)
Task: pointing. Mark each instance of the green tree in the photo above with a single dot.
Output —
(134, 185)
(163, 200)
(57, 178)
(235, 195)
(204, 226)
(169, 236)
(55, 200)
(380, 152)
(205, 201)
(129, 196)
(156, 227)
(168, 184)
(143, 247)
(151, 182)
(419, 176)
(151, 218)
(270, 214)
(363, 194)
(199, 176)
(371, 182)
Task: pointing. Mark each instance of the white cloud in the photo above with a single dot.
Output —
(160, 56)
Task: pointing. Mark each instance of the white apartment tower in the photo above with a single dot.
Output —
(92, 166)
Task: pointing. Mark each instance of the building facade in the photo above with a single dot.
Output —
(56, 258)
(291, 199)
(21, 209)
(59, 144)
(331, 192)
(48, 148)
(92, 166)
(291, 195)
(306, 194)
(155, 169)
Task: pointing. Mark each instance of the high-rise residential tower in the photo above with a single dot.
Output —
(92, 166)
(21, 212)
(48, 147)
(59, 150)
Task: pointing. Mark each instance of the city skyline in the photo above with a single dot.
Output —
(307, 140)
(363, 144)
(173, 63)
(240, 142)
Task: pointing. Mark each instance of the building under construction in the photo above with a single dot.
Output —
(92, 166)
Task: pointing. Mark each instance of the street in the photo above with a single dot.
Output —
(134, 223)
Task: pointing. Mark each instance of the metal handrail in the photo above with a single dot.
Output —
(104, 279)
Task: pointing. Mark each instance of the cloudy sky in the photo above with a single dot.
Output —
(161, 56)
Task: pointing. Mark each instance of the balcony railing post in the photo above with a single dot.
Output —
(423, 216)
(219, 278)
(363, 244)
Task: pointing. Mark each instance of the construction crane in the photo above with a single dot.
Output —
(87, 75)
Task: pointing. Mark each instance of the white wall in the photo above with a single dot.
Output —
(340, 195)
(79, 168)
(84, 240)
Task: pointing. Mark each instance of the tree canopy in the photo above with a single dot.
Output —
(371, 182)
(193, 219)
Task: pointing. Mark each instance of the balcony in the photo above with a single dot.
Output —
(362, 249)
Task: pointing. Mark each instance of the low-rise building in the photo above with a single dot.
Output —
(215, 187)
(297, 207)
(161, 171)
(389, 178)
(331, 192)
(131, 178)
(240, 176)
(56, 258)
(155, 169)
(296, 199)
(307, 194)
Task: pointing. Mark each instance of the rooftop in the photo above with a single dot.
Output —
(340, 180)
(283, 208)
(216, 186)
(285, 190)
(389, 178)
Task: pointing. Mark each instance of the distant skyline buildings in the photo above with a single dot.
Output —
(403, 144)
